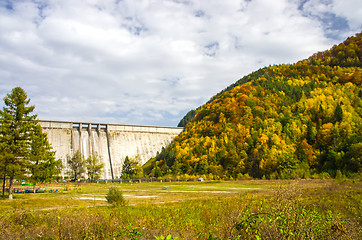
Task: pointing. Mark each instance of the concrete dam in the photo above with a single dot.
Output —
(111, 142)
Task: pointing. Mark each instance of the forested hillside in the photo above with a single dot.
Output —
(281, 121)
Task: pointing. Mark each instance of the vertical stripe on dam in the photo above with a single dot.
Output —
(109, 153)
(112, 142)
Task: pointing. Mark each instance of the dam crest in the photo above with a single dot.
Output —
(112, 142)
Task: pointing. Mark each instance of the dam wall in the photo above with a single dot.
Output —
(111, 142)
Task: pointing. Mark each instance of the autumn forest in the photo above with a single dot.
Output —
(285, 121)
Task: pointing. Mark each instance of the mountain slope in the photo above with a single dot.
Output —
(279, 122)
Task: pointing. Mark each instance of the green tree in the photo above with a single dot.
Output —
(16, 125)
(338, 113)
(126, 168)
(156, 171)
(94, 166)
(43, 166)
(76, 165)
(132, 168)
(4, 159)
(353, 160)
(189, 117)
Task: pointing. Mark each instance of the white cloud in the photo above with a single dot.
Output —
(149, 62)
(338, 18)
(351, 10)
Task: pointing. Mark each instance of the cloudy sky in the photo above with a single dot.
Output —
(150, 61)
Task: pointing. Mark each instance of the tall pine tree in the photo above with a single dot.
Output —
(17, 124)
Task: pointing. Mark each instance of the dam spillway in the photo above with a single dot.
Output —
(112, 142)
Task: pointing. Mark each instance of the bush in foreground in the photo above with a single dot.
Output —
(115, 197)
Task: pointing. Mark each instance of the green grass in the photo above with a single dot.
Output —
(136, 193)
(299, 209)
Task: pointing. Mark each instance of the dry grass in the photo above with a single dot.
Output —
(299, 209)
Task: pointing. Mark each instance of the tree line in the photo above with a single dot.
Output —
(93, 166)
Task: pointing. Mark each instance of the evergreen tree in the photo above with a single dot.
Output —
(43, 166)
(189, 117)
(338, 113)
(132, 168)
(15, 132)
(3, 164)
(126, 169)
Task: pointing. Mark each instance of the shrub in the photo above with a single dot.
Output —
(245, 176)
(115, 197)
(339, 177)
(324, 175)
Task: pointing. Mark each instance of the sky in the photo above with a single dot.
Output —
(148, 62)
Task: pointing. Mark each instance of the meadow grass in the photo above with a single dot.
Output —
(253, 209)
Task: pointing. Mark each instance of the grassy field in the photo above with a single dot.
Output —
(252, 209)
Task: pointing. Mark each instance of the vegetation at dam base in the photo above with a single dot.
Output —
(285, 121)
(253, 209)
